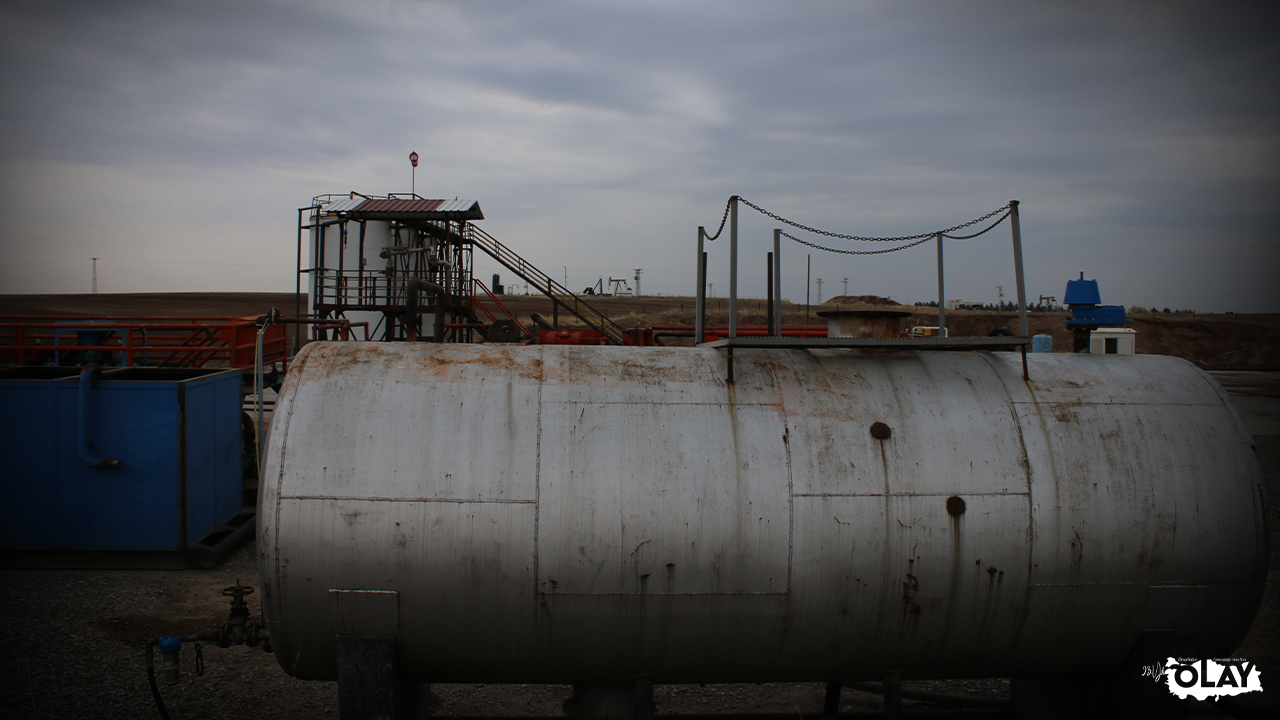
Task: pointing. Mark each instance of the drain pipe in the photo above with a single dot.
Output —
(88, 376)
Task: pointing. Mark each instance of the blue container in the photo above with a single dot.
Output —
(1042, 343)
(176, 434)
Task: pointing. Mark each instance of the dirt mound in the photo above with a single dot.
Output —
(861, 300)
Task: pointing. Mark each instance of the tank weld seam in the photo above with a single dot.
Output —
(1145, 583)
(287, 406)
(1020, 423)
(650, 403)
(1076, 401)
(942, 493)
(558, 593)
(505, 501)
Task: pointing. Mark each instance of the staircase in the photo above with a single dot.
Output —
(544, 284)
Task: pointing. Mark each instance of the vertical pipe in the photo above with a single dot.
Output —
(768, 313)
(942, 293)
(342, 259)
(1017, 264)
(297, 290)
(257, 393)
(88, 376)
(360, 271)
(700, 304)
(777, 281)
(733, 266)
(317, 275)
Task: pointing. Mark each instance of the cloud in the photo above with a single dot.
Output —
(604, 133)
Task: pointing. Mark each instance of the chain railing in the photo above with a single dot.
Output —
(902, 238)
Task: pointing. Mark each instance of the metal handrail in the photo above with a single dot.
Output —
(180, 342)
(475, 303)
(544, 284)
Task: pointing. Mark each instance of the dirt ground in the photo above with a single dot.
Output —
(1218, 342)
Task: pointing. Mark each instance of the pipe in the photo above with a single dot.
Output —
(700, 302)
(768, 271)
(416, 285)
(1016, 227)
(151, 678)
(87, 377)
(733, 270)
(942, 293)
(257, 394)
(777, 281)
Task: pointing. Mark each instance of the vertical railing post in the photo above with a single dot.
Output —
(777, 281)
(769, 319)
(297, 288)
(733, 266)
(700, 304)
(942, 293)
(1017, 265)
(258, 389)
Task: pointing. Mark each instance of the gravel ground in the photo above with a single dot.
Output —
(73, 645)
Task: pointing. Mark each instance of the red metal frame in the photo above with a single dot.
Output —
(153, 341)
(477, 305)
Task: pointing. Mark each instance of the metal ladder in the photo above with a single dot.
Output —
(558, 293)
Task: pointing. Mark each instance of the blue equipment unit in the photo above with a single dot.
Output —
(1087, 310)
(127, 467)
(1082, 292)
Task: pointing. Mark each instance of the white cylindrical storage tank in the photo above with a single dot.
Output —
(594, 514)
(346, 275)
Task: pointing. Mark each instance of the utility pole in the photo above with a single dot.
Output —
(95, 276)
(819, 291)
(638, 271)
(1000, 302)
(566, 276)
(712, 290)
(846, 286)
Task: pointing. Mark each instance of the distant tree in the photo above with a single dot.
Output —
(1166, 311)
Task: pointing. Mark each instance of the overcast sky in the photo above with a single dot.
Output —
(176, 140)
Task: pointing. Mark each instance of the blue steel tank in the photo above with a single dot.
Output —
(562, 514)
